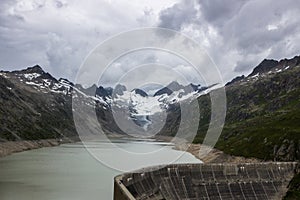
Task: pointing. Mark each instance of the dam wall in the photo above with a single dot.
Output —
(257, 181)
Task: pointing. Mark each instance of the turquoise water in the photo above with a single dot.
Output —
(70, 172)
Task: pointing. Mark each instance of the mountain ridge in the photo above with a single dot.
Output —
(262, 121)
(263, 92)
(47, 102)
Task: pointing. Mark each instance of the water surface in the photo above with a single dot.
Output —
(69, 172)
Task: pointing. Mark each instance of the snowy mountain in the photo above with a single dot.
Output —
(36, 105)
(267, 68)
(143, 109)
(136, 99)
(143, 105)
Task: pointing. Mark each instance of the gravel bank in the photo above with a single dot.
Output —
(214, 155)
(7, 148)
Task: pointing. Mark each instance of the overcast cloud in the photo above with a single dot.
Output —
(238, 34)
(58, 34)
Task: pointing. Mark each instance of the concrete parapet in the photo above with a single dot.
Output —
(257, 181)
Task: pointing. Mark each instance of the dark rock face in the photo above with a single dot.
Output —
(169, 89)
(164, 90)
(90, 90)
(288, 150)
(66, 81)
(236, 79)
(290, 62)
(194, 87)
(191, 88)
(102, 92)
(175, 86)
(99, 91)
(265, 66)
(119, 89)
(109, 91)
(140, 92)
(35, 69)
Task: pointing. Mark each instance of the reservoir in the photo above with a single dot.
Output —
(71, 172)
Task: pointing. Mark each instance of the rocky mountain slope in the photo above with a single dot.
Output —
(34, 105)
(263, 113)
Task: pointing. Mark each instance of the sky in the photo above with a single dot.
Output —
(59, 34)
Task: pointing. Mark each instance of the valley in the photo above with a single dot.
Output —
(262, 120)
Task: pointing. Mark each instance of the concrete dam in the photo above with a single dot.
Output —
(256, 181)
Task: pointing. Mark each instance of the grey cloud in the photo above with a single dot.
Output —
(250, 27)
(239, 34)
(218, 11)
(177, 15)
(58, 35)
(135, 62)
(59, 4)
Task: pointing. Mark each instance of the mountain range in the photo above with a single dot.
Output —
(262, 121)
(35, 105)
(262, 109)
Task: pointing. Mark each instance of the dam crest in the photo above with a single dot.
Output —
(249, 181)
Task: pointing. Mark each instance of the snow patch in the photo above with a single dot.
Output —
(31, 76)
(33, 83)
(286, 67)
(256, 75)
(4, 75)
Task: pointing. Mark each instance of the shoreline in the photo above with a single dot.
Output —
(214, 155)
(10, 147)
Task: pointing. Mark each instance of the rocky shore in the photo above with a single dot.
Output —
(213, 156)
(10, 147)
